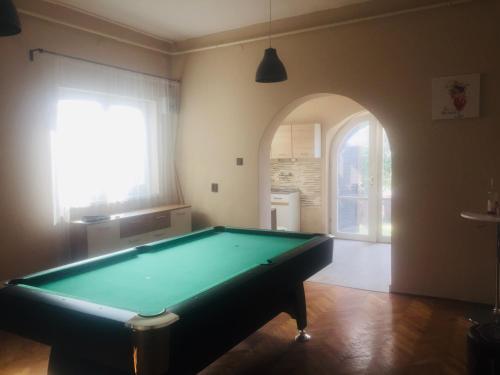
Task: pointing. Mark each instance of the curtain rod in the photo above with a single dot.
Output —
(33, 51)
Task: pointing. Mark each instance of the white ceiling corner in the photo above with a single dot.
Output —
(176, 20)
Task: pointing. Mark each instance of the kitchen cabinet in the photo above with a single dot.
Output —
(306, 141)
(281, 147)
(297, 141)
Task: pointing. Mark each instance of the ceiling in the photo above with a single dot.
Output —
(177, 20)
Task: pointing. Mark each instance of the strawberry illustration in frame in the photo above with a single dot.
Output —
(458, 93)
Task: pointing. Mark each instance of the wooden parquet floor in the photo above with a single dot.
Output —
(354, 332)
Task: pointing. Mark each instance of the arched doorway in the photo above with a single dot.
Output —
(333, 135)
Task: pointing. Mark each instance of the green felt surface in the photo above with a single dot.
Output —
(151, 281)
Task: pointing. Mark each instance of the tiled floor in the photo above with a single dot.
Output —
(362, 265)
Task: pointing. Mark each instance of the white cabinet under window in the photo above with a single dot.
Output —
(102, 236)
(129, 229)
(298, 141)
(181, 221)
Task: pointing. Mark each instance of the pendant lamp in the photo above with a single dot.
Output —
(271, 69)
(9, 20)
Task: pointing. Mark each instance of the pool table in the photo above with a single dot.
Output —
(169, 307)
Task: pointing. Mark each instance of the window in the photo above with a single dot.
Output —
(101, 151)
(113, 138)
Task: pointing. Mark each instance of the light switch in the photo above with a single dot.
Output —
(215, 188)
(239, 161)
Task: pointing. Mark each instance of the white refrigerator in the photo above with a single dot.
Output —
(287, 205)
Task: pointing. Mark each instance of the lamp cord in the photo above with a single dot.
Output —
(270, 17)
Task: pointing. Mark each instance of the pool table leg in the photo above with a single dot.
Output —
(299, 312)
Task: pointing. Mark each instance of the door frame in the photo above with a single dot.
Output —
(380, 170)
(374, 205)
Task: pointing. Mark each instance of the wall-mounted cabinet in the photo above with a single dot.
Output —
(306, 141)
(281, 147)
(299, 141)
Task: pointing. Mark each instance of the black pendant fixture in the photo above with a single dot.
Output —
(9, 20)
(271, 69)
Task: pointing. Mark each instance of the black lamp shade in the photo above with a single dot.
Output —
(9, 20)
(271, 69)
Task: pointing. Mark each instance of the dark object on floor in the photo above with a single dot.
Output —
(483, 347)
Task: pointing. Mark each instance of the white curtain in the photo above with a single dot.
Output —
(113, 138)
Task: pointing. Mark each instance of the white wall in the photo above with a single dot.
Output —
(386, 65)
(28, 240)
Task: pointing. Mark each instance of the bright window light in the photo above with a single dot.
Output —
(100, 152)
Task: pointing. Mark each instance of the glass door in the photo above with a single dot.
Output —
(361, 182)
(385, 189)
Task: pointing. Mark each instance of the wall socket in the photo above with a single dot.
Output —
(215, 188)
(239, 161)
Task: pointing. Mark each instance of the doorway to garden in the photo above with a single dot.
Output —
(353, 200)
(360, 186)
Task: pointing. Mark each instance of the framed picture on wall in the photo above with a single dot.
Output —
(456, 97)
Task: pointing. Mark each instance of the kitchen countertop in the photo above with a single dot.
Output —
(284, 190)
